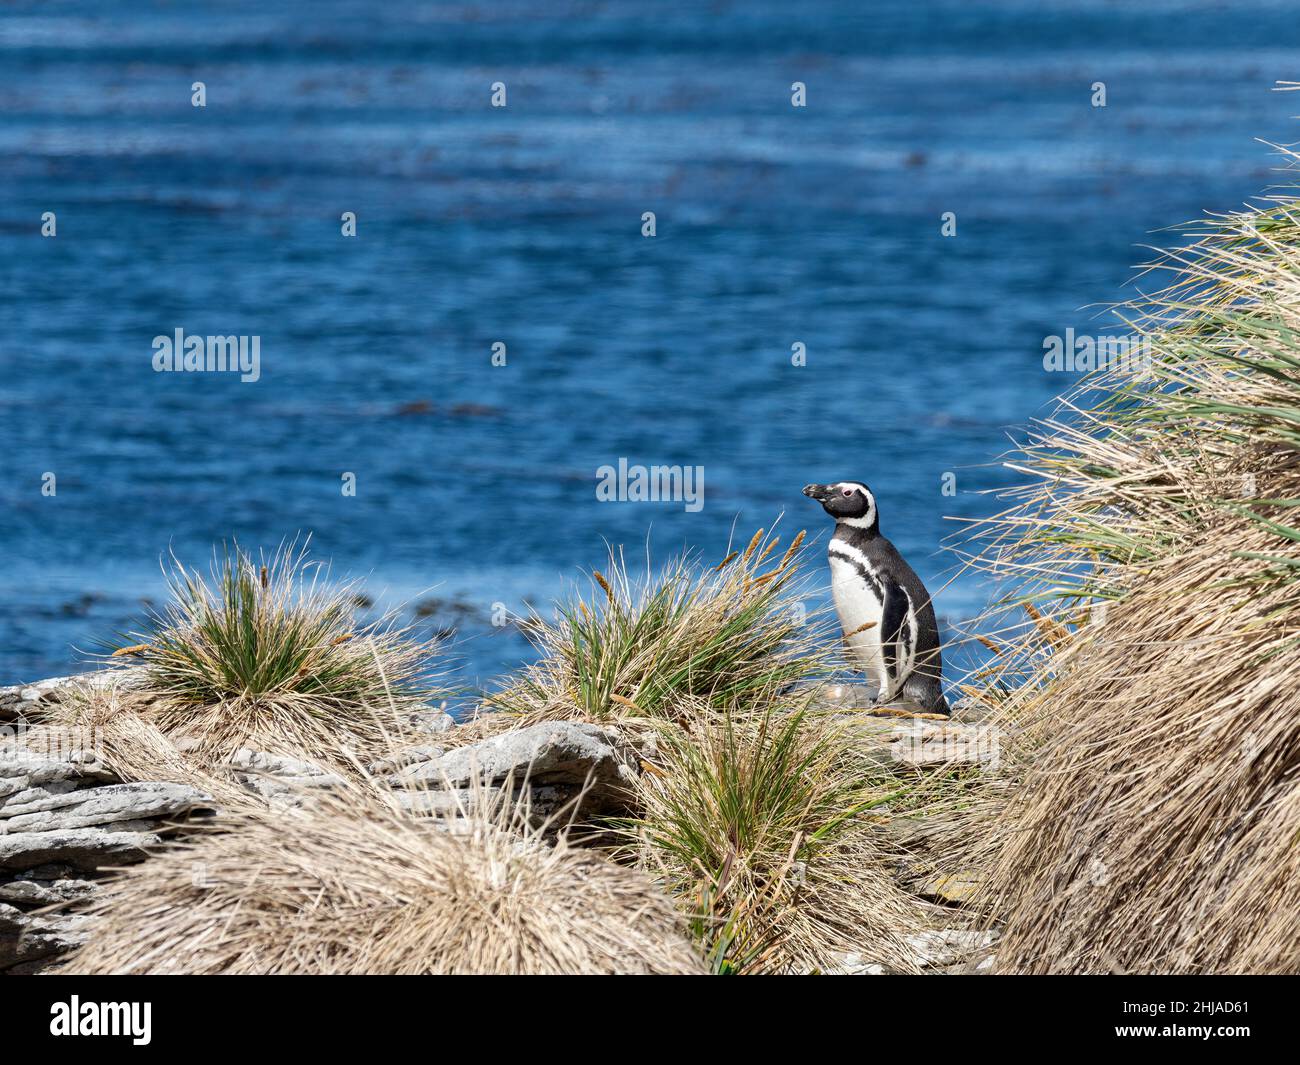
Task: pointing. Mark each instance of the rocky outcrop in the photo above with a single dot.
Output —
(20, 702)
(41, 809)
(65, 820)
(86, 849)
(29, 939)
(561, 763)
(280, 779)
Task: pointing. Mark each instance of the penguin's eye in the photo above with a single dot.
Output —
(848, 491)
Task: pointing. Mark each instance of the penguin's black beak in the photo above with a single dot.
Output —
(816, 491)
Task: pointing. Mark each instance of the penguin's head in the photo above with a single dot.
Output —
(848, 502)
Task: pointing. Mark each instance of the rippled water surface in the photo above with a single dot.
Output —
(775, 225)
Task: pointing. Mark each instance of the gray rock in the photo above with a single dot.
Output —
(85, 849)
(28, 891)
(64, 817)
(845, 696)
(412, 756)
(28, 937)
(434, 721)
(27, 968)
(251, 761)
(279, 779)
(18, 701)
(956, 888)
(949, 946)
(558, 762)
(542, 801)
(854, 965)
(50, 782)
(549, 753)
(441, 802)
(971, 712)
(42, 810)
(40, 757)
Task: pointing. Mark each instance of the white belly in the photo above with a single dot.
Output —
(856, 606)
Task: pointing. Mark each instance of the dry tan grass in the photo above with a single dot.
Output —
(131, 736)
(1157, 830)
(350, 884)
(1148, 813)
(120, 723)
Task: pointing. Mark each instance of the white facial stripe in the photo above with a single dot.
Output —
(869, 518)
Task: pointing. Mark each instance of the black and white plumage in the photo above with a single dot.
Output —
(888, 620)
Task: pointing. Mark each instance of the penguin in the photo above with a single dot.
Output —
(888, 620)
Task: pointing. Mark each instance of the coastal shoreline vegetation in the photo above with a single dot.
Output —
(1146, 815)
(1141, 814)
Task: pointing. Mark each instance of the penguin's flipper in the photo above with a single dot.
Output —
(893, 637)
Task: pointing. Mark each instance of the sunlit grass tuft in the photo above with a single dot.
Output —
(758, 822)
(729, 634)
(269, 654)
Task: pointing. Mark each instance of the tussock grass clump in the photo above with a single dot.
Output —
(758, 823)
(1159, 833)
(1154, 824)
(350, 884)
(733, 633)
(270, 655)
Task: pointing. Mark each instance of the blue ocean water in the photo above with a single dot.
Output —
(775, 225)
